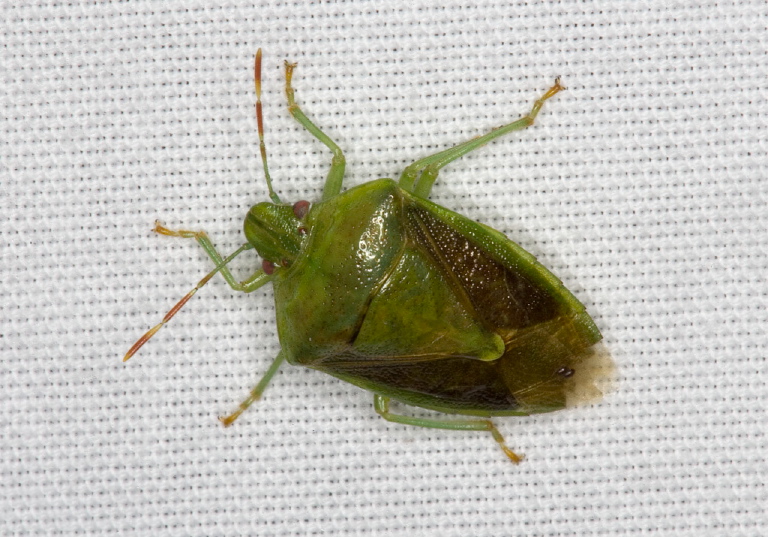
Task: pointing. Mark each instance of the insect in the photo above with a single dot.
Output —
(407, 299)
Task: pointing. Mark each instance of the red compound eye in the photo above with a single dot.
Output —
(300, 209)
(268, 267)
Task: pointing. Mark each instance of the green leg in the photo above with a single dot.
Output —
(255, 281)
(258, 279)
(430, 166)
(381, 404)
(255, 394)
(338, 163)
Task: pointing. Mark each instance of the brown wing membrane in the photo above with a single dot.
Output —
(502, 297)
(530, 377)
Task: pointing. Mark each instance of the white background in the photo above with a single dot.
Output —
(643, 187)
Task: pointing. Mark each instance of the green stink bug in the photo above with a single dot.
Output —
(402, 297)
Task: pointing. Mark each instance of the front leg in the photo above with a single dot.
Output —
(202, 239)
(338, 163)
(256, 280)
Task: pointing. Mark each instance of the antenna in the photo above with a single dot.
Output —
(260, 122)
(180, 304)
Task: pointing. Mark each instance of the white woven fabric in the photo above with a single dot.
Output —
(643, 187)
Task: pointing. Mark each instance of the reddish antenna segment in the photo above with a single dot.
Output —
(260, 122)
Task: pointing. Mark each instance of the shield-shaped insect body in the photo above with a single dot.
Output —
(386, 290)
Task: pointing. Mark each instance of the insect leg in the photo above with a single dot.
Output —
(381, 404)
(256, 392)
(202, 239)
(430, 166)
(338, 163)
(255, 281)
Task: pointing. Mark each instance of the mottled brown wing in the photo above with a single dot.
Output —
(506, 297)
